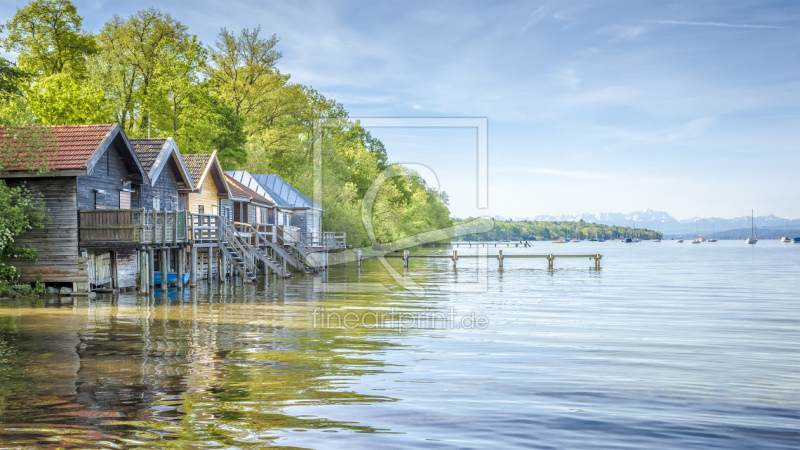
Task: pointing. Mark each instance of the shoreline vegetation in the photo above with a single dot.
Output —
(150, 74)
(530, 230)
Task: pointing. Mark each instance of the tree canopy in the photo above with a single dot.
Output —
(152, 75)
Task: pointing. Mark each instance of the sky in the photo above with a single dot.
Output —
(689, 107)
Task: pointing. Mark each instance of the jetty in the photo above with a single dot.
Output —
(454, 256)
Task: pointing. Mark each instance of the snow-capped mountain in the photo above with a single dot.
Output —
(663, 221)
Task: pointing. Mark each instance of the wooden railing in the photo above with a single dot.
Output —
(332, 240)
(131, 227)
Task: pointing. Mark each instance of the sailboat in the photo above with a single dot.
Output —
(696, 240)
(786, 238)
(577, 235)
(712, 239)
(753, 236)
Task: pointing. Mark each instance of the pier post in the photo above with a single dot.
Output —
(143, 285)
(151, 261)
(359, 256)
(455, 257)
(181, 257)
(550, 259)
(193, 267)
(405, 259)
(597, 261)
(208, 265)
(164, 270)
(500, 258)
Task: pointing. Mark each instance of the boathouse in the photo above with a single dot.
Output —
(165, 190)
(90, 192)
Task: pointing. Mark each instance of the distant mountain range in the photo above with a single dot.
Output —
(662, 221)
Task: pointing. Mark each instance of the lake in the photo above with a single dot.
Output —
(667, 346)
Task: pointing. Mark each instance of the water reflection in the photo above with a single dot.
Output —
(221, 365)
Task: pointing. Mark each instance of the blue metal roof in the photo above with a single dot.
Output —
(274, 187)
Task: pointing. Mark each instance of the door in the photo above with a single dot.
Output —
(124, 200)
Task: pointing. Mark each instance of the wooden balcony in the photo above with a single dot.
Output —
(131, 228)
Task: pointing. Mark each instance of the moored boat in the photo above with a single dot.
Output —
(753, 234)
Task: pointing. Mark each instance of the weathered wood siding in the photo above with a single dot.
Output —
(106, 175)
(57, 243)
(127, 268)
(164, 188)
(309, 221)
(207, 198)
(226, 208)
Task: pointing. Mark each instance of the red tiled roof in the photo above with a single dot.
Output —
(69, 146)
(240, 189)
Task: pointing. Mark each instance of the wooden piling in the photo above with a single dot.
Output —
(151, 267)
(164, 270)
(193, 267)
(208, 266)
(179, 271)
(405, 259)
(455, 258)
(550, 259)
(359, 257)
(500, 258)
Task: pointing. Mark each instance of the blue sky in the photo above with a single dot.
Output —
(691, 107)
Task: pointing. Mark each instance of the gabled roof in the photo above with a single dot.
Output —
(201, 165)
(247, 179)
(273, 186)
(154, 155)
(240, 190)
(76, 148)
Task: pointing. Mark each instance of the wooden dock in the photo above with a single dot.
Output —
(406, 257)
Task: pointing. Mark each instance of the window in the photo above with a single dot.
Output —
(156, 203)
(99, 199)
(200, 209)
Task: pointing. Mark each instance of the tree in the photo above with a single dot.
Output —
(61, 100)
(244, 69)
(48, 36)
(135, 56)
(210, 123)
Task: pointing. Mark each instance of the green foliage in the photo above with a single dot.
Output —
(151, 75)
(21, 212)
(60, 99)
(48, 36)
(537, 230)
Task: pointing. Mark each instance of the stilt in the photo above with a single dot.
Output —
(359, 258)
(550, 259)
(193, 267)
(405, 259)
(151, 267)
(597, 261)
(179, 269)
(143, 285)
(455, 257)
(500, 258)
(164, 270)
(208, 265)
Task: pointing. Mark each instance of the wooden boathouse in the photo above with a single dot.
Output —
(125, 210)
(93, 194)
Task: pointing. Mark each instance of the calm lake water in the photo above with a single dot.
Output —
(668, 346)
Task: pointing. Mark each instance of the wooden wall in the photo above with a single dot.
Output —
(165, 188)
(106, 175)
(208, 198)
(57, 244)
(311, 221)
(127, 268)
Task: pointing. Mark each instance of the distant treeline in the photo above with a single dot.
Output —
(530, 230)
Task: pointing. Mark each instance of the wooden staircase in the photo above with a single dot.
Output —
(256, 246)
